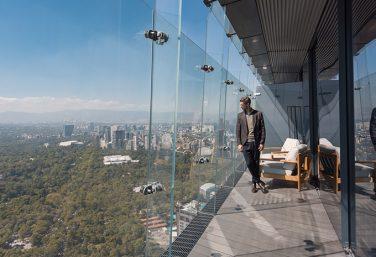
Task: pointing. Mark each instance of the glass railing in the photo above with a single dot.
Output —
(116, 131)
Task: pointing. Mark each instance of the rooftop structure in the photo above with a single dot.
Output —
(118, 159)
(71, 143)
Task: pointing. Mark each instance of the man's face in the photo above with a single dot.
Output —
(243, 105)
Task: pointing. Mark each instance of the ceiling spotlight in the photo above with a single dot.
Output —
(264, 67)
(255, 40)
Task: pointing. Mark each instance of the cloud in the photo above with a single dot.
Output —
(45, 104)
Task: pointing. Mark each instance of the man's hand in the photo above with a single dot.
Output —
(240, 148)
(261, 147)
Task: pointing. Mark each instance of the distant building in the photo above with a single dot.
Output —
(103, 143)
(146, 142)
(206, 151)
(208, 128)
(134, 143)
(166, 141)
(118, 159)
(186, 214)
(154, 142)
(154, 223)
(128, 145)
(91, 127)
(68, 130)
(117, 137)
(70, 143)
(207, 190)
(107, 133)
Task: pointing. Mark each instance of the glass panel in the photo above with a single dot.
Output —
(329, 121)
(365, 136)
(192, 156)
(161, 224)
(75, 88)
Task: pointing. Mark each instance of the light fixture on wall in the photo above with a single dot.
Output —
(208, 3)
(229, 82)
(157, 36)
(207, 68)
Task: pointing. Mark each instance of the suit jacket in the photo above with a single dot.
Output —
(372, 126)
(242, 128)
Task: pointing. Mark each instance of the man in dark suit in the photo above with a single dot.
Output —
(372, 127)
(250, 134)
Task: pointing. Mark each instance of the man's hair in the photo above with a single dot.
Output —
(246, 100)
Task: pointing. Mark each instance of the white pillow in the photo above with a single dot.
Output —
(289, 144)
(326, 146)
(325, 141)
(292, 156)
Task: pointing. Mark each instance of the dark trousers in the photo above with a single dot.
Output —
(252, 159)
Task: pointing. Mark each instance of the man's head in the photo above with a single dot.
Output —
(245, 102)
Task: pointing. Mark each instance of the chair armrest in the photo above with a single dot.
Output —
(272, 148)
(365, 161)
(292, 162)
(279, 152)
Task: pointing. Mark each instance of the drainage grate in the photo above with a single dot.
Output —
(185, 242)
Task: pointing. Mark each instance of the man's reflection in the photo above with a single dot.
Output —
(372, 127)
(372, 132)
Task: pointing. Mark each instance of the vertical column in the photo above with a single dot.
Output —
(174, 137)
(346, 101)
(313, 112)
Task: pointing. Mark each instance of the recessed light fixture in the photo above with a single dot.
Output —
(255, 40)
(264, 68)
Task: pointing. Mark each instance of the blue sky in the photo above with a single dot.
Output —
(92, 54)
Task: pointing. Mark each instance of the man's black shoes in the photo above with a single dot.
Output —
(254, 188)
(263, 187)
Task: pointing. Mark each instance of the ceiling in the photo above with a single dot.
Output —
(277, 34)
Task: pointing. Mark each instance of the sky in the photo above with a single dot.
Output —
(91, 54)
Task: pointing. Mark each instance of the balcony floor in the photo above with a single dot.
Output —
(283, 222)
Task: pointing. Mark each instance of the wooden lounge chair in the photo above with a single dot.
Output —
(293, 168)
(272, 153)
(329, 165)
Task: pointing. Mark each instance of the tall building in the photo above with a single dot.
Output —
(134, 143)
(186, 214)
(118, 139)
(91, 127)
(166, 141)
(146, 142)
(68, 130)
(107, 133)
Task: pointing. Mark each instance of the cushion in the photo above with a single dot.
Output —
(338, 152)
(265, 156)
(292, 156)
(326, 146)
(289, 144)
(325, 142)
(362, 171)
(275, 167)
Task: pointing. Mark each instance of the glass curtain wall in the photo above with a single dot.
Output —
(112, 139)
(364, 45)
(75, 94)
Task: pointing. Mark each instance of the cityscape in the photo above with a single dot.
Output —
(118, 154)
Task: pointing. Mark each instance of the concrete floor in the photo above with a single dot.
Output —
(283, 222)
